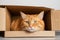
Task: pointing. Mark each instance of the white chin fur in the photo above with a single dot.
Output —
(31, 29)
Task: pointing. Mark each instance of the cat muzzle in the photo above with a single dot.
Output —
(31, 29)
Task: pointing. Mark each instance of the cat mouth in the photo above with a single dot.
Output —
(31, 29)
(27, 30)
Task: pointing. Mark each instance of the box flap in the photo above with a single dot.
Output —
(2, 19)
(55, 19)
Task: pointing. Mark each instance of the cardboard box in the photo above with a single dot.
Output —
(51, 20)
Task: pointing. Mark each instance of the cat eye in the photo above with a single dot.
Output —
(27, 21)
(35, 21)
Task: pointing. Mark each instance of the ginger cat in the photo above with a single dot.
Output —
(30, 23)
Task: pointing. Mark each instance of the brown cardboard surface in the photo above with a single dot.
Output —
(2, 19)
(55, 20)
(8, 20)
(26, 9)
(25, 34)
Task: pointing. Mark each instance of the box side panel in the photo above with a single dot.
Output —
(25, 34)
(55, 19)
(2, 19)
(8, 20)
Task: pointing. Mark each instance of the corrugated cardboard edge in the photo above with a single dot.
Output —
(25, 34)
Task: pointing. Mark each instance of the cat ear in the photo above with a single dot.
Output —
(41, 14)
(23, 15)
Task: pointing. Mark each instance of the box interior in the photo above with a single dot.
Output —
(15, 11)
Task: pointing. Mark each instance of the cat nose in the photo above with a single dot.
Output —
(30, 25)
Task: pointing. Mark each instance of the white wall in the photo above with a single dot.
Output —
(55, 4)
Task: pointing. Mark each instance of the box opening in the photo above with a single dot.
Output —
(15, 11)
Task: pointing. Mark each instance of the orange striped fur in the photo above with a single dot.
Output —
(29, 23)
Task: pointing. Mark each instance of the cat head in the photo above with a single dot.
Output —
(33, 23)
